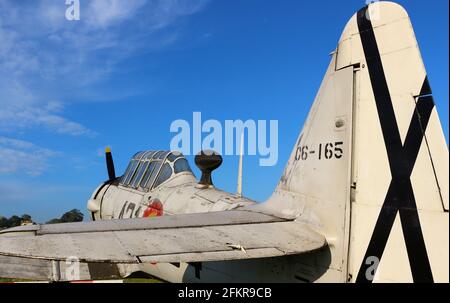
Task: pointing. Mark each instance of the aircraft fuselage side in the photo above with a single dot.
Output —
(180, 195)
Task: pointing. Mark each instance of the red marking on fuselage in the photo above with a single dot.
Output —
(155, 209)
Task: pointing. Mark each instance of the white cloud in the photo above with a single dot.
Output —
(29, 116)
(23, 157)
(44, 57)
(101, 14)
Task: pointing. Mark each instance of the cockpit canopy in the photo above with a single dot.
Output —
(149, 169)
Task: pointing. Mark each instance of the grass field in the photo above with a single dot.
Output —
(137, 280)
(127, 280)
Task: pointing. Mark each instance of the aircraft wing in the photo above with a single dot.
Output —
(216, 236)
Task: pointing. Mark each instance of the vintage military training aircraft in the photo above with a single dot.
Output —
(364, 196)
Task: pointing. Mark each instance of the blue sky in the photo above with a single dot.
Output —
(127, 69)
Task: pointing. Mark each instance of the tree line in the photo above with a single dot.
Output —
(73, 215)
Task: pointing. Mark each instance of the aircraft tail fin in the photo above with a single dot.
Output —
(370, 167)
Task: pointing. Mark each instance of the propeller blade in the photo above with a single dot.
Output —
(110, 164)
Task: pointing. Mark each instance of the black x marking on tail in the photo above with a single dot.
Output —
(402, 158)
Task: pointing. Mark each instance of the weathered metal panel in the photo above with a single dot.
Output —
(85, 246)
(125, 246)
(22, 268)
(289, 237)
(214, 256)
(47, 270)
